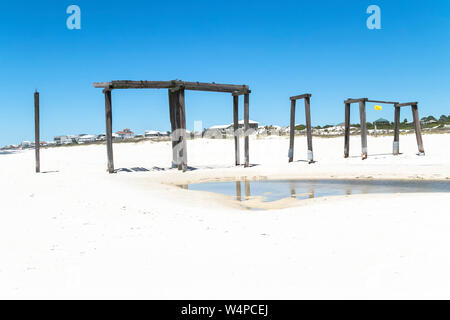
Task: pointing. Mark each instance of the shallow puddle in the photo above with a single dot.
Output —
(273, 190)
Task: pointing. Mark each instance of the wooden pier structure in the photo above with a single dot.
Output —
(177, 108)
(362, 114)
(307, 98)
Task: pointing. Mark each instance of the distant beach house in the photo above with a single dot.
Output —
(224, 129)
(125, 134)
(86, 138)
(63, 140)
(381, 121)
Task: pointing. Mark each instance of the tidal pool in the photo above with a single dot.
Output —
(273, 190)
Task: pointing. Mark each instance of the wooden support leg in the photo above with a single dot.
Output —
(292, 132)
(396, 146)
(308, 129)
(235, 129)
(418, 129)
(182, 108)
(108, 117)
(246, 128)
(362, 115)
(173, 124)
(347, 131)
(37, 139)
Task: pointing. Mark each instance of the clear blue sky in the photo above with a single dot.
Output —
(279, 48)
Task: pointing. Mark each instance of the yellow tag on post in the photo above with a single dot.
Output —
(378, 107)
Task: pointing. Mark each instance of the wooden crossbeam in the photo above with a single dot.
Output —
(406, 104)
(302, 96)
(198, 86)
(382, 102)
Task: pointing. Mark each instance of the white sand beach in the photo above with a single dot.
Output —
(76, 231)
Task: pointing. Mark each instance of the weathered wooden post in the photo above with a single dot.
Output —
(182, 109)
(308, 128)
(292, 131)
(347, 130)
(173, 126)
(37, 138)
(417, 128)
(362, 115)
(180, 128)
(108, 117)
(246, 128)
(235, 129)
(396, 146)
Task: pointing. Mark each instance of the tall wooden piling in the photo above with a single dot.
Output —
(108, 117)
(347, 131)
(417, 128)
(237, 155)
(292, 131)
(37, 138)
(182, 108)
(396, 145)
(362, 114)
(246, 128)
(308, 128)
(173, 126)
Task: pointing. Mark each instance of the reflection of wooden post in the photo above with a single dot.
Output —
(293, 193)
(292, 132)
(236, 128)
(108, 116)
(37, 138)
(347, 130)
(362, 115)
(238, 191)
(246, 127)
(308, 128)
(417, 128)
(396, 146)
(247, 189)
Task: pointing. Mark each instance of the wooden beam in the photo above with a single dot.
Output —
(308, 129)
(108, 117)
(407, 104)
(199, 86)
(302, 96)
(350, 100)
(347, 131)
(292, 131)
(382, 102)
(362, 115)
(396, 146)
(417, 128)
(246, 128)
(240, 93)
(37, 138)
(237, 155)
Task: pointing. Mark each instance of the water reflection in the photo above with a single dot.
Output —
(307, 189)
